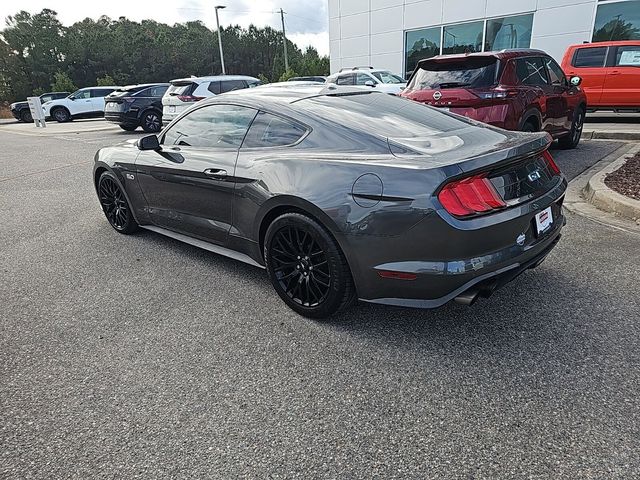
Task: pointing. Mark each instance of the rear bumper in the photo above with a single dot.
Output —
(122, 118)
(448, 257)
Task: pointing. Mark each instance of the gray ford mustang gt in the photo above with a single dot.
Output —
(343, 194)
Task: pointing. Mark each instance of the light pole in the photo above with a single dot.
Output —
(219, 7)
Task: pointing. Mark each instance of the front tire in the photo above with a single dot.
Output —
(61, 115)
(306, 267)
(572, 139)
(115, 205)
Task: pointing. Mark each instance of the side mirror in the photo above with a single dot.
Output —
(369, 83)
(575, 81)
(150, 142)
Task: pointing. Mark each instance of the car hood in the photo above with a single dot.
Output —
(19, 104)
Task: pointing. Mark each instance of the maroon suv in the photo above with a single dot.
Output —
(514, 89)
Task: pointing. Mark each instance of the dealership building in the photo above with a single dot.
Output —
(396, 34)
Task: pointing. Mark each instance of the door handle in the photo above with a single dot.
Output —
(215, 172)
(615, 72)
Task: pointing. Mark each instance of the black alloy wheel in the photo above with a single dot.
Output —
(61, 115)
(306, 266)
(572, 139)
(151, 122)
(26, 117)
(115, 205)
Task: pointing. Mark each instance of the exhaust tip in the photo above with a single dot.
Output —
(467, 298)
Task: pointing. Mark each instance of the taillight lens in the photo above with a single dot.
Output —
(470, 196)
(496, 93)
(552, 164)
(189, 98)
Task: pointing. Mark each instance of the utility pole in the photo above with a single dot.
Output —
(284, 42)
(220, 7)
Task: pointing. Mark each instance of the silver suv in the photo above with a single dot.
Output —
(369, 77)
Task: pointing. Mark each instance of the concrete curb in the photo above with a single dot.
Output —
(597, 193)
(607, 135)
(576, 202)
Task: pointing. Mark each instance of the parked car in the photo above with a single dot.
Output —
(308, 78)
(21, 112)
(136, 105)
(610, 73)
(83, 103)
(183, 92)
(394, 203)
(369, 77)
(513, 89)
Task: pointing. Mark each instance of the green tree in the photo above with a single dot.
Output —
(287, 74)
(106, 81)
(62, 83)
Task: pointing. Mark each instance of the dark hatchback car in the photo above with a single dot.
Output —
(20, 110)
(522, 90)
(136, 106)
(342, 194)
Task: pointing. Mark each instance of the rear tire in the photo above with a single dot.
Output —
(151, 122)
(128, 128)
(26, 117)
(61, 115)
(572, 139)
(307, 267)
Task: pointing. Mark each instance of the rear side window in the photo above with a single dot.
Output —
(182, 88)
(214, 87)
(101, 92)
(213, 126)
(362, 79)
(230, 85)
(479, 72)
(345, 79)
(628, 56)
(157, 91)
(589, 57)
(531, 71)
(271, 131)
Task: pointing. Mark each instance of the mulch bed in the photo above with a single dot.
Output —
(626, 180)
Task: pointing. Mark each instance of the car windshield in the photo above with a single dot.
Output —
(478, 72)
(387, 77)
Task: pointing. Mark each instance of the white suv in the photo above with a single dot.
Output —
(369, 77)
(83, 103)
(183, 92)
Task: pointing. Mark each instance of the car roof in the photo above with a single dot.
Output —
(279, 94)
(612, 43)
(144, 85)
(500, 54)
(100, 86)
(213, 78)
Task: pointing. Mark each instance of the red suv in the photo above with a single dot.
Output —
(514, 89)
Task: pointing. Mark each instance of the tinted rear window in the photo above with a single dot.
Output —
(380, 114)
(229, 85)
(181, 88)
(477, 72)
(590, 57)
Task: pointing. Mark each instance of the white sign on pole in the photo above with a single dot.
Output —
(35, 105)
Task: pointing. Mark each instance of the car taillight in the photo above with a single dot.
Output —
(496, 93)
(470, 196)
(189, 98)
(550, 162)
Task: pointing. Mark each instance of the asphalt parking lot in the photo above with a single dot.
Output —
(140, 357)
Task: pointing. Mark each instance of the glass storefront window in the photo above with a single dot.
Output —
(420, 44)
(508, 32)
(462, 38)
(617, 21)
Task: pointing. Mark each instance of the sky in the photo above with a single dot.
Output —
(305, 20)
